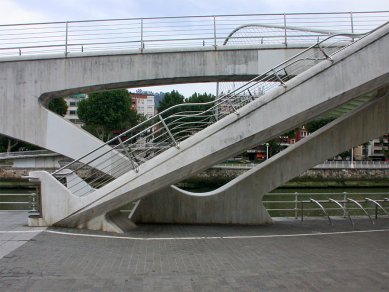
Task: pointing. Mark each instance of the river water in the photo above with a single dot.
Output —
(16, 198)
(280, 203)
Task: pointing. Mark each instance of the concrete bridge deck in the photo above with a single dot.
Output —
(199, 258)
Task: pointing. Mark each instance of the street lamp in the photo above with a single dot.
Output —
(267, 151)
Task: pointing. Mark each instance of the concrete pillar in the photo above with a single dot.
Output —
(240, 200)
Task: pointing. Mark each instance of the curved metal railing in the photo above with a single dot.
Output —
(175, 124)
(140, 34)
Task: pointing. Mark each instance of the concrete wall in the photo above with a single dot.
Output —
(27, 84)
(219, 176)
(240, 200)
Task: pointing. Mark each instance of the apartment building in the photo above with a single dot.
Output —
(378, 148)
(72, 102)
(143, 104)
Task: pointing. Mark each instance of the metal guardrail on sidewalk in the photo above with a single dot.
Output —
(26, 153)
(29, 200)
(300, 205)
(353, 164)
(324, 165)
(142, 34)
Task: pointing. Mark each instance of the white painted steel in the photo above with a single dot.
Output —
(142, 34)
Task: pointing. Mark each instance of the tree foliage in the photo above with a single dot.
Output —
(317, 124)
(59, 106)
(200, 98)
(107, 111)
(170, 99)
(8, 144)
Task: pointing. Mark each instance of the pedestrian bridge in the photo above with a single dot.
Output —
(312, 82)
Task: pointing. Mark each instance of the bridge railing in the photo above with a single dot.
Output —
(324, 165)
(179, 122)
(143, 34)
(25, 153)
(334, 204)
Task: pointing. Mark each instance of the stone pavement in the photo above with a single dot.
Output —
(286, 256)
(14, 231)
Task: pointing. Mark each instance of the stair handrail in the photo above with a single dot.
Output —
(220, 100)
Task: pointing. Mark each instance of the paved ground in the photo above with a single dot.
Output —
(287, 256)
(14, 232)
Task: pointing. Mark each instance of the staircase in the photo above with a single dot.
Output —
(188, 138)
(129, 150)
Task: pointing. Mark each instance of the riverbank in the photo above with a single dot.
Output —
(16, 183)
(216, 177)
(313, 178)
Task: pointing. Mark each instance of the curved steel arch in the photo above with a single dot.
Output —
(302, 29)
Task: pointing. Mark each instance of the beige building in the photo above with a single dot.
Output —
(72, 102)
(143, 104)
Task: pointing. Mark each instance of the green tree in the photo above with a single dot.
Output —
(170, 99)
(317, 124)
(107, 111)
(8, 144)
(274, 147)
(59, 106)
(200, 98)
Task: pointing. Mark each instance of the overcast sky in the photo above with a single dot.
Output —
(24, 11)
(21, 11)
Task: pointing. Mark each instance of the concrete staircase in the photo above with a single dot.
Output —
(242, 120)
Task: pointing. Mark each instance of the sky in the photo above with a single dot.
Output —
(26, 11)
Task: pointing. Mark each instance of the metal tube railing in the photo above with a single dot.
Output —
(181, 121)
(137, 34)
(344, 201)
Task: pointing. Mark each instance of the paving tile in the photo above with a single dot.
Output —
(287, 256)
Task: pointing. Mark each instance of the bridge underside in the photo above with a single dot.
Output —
(321, 88)
(26, 86)
(240, 201)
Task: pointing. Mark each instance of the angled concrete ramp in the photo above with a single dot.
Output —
(360, 68)
(240, 200)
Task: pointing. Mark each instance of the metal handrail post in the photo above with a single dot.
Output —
(66, 38)
(344, 204)
(133, 163)
(295, 204)
(363, 209)
(344, 209)
(377, 205)
(376, 212)
(285, 34)
(168, 131)
(282, 83)
(141, 35)
(323, 209)
(214, 32)
(302, 211)
(352, 22)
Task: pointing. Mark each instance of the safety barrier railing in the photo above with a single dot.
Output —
(353, 164)
(21, 200)
(142, 34)
(331, 205)
(25, 153)
(179, 122)
(324, 165)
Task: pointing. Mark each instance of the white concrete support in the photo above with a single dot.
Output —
(26, 83)
(240, 201)
(319, 89)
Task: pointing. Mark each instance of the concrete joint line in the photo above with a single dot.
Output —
(215, 237)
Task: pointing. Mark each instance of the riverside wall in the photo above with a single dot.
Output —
(220, 176)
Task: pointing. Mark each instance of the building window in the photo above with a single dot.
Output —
(72, 103)
(72, 112)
